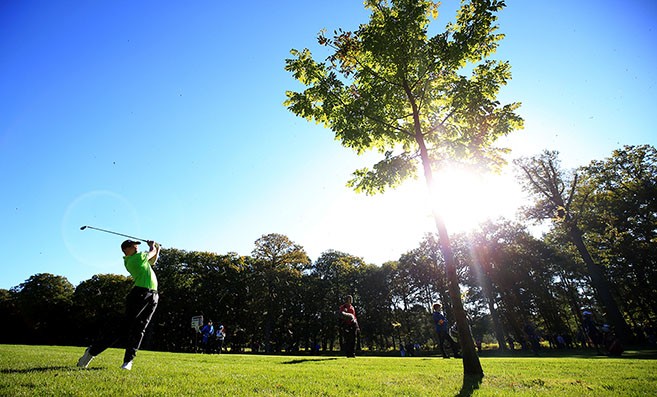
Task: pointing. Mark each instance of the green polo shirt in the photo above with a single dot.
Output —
(141, 270)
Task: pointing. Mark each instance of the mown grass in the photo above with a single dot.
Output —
(51, 370)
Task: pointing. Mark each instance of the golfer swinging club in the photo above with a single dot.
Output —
(140, 304)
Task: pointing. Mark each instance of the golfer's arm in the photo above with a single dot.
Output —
(154, 253)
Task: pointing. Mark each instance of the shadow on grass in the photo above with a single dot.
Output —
(300, 361)
(470, 384)
(45, 369)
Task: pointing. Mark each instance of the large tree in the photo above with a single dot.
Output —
(620, 221)
(392, 87)
(554, 197)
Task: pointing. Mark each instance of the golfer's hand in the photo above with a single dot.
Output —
(154, 251)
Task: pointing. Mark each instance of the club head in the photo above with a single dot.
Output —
(83, 227)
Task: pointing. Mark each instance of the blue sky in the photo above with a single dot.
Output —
(164, 120)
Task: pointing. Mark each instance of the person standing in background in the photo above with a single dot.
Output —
(349, 326)
(442, 329)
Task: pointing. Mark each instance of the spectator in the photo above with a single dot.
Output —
(561, 342)
(532, 337)
(442, 329)
(206, 333)
(349, 326)
(591, 331)
(220, 336)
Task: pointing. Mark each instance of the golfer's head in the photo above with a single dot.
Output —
(349, 299)
(436, 307)
(129, 247)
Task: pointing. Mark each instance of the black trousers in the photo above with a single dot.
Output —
(349, 334)
(444, 336)
(140, 306)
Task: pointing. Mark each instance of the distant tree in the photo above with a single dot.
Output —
(402, 292)
(620, 221)
(280, 262)
(554, 191)
(337, 272)
(44, 303)
(374, 306)
(233, 302)
(12, 330)
(401, 286)
(278, 252)
(200, 283)
(316, 318)
(99, 304)
(179, 276)
(484, 246)
(426, 271)
(389, 86)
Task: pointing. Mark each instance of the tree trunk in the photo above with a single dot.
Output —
(601, 286)
(471, 363)
(573, 300)
(497, 324)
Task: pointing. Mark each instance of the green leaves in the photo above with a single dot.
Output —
(277, 252)
(389, 87)
(391, 171)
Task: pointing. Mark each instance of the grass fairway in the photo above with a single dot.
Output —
(51, 370)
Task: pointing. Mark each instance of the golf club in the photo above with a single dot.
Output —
(109, 231)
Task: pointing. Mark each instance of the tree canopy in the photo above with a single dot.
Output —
(391, 87)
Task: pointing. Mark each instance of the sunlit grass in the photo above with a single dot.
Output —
(51, 370)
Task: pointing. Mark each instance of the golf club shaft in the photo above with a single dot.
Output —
(118, 234)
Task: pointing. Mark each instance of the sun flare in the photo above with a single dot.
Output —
(382, 227)
(464, 199)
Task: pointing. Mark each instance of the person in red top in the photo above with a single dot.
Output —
(349, 326)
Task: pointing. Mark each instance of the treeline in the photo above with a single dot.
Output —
(603, 236)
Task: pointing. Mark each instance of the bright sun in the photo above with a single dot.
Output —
(383, 226)
(466, 199)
